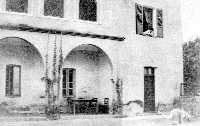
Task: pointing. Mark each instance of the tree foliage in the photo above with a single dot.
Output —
(191, 65)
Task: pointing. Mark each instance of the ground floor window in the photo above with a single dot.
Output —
(13, 80)
(68, 86)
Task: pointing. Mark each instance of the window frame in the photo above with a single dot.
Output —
(149, 71)
(67, 83)
(10, 92)
(98, 13)
(51, 16)
(154, 21)
(24, 12)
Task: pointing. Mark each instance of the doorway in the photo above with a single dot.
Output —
(149, 89)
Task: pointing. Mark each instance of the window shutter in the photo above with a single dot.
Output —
(16, 80)
(9, 80)
(139, 19)
(159, 17)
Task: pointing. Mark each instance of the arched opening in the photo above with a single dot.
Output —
(21, 68)
(89, 70)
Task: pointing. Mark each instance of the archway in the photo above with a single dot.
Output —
(92, 70)
(18, 52)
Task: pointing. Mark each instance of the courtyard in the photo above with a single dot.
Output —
(100, 120)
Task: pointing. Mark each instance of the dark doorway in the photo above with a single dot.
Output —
(149, 89)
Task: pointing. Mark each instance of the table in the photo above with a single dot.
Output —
(85, 106)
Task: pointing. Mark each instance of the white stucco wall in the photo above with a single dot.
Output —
(163, 53)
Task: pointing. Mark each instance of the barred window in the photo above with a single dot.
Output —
(88, 10)
(13, 80)
(54, 8)
(20, 6)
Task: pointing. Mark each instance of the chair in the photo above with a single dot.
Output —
(106, 105)
(93, 106)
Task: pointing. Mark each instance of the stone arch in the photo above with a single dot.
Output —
(94, 71)
(5, 39)
(100, 50)
(18, 51)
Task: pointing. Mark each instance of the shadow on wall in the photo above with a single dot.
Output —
(20, 52)
(93, 71)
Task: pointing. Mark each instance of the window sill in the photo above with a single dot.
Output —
(53, 18)
(87, 22)
(16, 13)
(15, 96)
(149, 36)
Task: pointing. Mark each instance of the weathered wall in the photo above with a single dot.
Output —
(128, 57)
(19, 52)
(93, 74)
(163, 53)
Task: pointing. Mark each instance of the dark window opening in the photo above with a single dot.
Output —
(13, 80)
(147, 21)
(20, 6)
(88, 10)
(149, 89)
(54, 8)
(68, 87)
(144, 21)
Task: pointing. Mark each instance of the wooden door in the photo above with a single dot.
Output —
(149, 90)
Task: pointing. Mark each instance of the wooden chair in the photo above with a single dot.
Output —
(106, 105)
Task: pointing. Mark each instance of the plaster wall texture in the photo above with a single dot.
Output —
(128, 58)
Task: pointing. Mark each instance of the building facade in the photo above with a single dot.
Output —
(101, 40)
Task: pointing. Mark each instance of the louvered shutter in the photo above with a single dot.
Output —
(9, 80)
(159, 18)
(16, 80)
(139, 19)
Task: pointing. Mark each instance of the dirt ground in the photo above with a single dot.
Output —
(96, 121)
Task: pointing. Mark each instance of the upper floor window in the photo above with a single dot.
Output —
(13, 80)
(54, 8)
(20, 6)
(88, 10)
(145, 21)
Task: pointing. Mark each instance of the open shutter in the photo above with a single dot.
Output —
(139, 19)
(64, 83)
(159, 18)
(74, 82)
(16, 80)
(9, 80)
